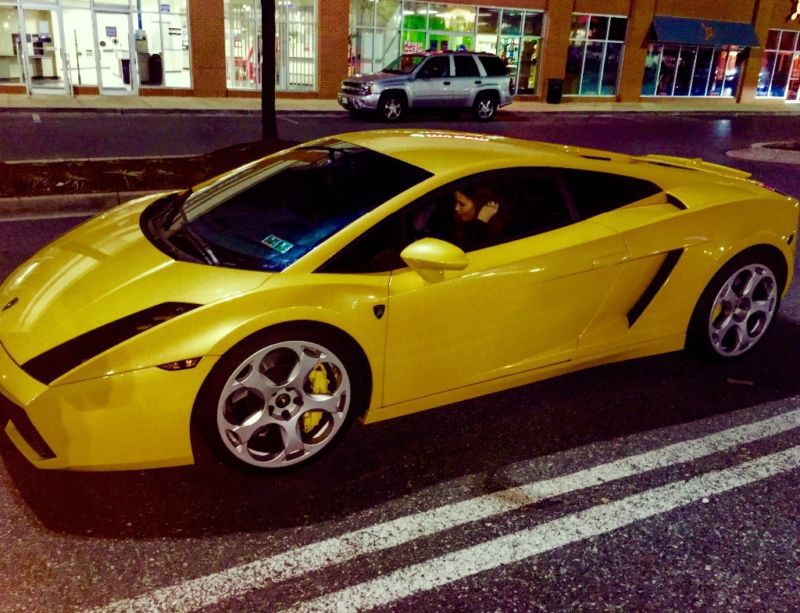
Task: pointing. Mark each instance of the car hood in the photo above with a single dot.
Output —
(377, 76)
(97, 273)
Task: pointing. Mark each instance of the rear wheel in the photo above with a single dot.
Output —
(392, 106)
(277, 400)
(485, 107)
(736, 308)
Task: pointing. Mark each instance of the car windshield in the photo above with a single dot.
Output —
(405, 64)
(270, 213)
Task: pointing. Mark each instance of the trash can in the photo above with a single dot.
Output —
(555, 87)
(155, 67)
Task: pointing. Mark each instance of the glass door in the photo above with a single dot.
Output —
(40, 41)
(793, 90)
(117, 65)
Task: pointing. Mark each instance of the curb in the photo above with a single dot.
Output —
(34, 206)
(766, 152)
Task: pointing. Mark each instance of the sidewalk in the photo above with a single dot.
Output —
(182, 104)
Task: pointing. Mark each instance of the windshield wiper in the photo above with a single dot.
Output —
(175, 207)
(174, 211)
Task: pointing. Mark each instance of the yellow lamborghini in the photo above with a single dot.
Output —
(372, 275)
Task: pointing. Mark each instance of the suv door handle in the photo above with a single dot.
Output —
(478, 82)
(446, 83)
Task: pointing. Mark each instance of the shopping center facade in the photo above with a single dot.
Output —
(624, 50)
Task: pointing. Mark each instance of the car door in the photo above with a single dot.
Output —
(432, 85)
(521, 303)
(467, 80)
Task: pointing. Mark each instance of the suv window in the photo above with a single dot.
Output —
(438, 66)
(466, 66)
(494, 66)
(594, 193)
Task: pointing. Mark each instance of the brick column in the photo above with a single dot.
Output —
(207, 32)
(334, 28)
(556, 41)
(640, 18)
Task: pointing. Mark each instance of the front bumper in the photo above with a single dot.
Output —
(359, 103)
(131, 420)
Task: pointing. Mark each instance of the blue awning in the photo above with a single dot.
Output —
(704, 32)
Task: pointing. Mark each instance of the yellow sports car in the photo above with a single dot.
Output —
(372, 275)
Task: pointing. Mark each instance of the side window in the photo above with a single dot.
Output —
(494, 66)
(481, 211)
(491, 208)
(435, 67)
(466, 66)
(594, 193)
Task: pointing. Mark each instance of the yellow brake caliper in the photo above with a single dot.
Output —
(320, 384)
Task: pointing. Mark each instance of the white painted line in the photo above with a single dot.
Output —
(289, 120)
(36, 118)
(551, 535)
(217, 587)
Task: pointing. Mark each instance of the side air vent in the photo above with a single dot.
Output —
(661, 276)
(59, 360)
(596, 157)
(678, 204)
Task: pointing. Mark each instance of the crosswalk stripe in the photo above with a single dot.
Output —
(551, 535)
(214, 588)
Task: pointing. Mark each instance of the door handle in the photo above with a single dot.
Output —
(478, 82)
(446, 83)
(609, 260)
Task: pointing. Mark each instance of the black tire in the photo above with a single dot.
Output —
(392, 106)
(225, 407)
(735, 310)
(485, 107)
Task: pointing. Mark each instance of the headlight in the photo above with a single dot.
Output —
(366, 88)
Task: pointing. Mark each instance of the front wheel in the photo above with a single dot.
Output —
(485, 107)
(277, 401)
(392, 107)
(737, 307)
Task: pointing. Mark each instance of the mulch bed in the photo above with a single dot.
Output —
(21, 179)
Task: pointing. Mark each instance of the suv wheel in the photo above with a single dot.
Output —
(392, 106)
(485, 107)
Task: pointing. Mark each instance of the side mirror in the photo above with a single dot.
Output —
(430, 257)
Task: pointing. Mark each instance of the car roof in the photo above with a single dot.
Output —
(442, 151)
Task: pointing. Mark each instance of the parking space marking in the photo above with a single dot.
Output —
(551, 535)
(217, 587)
(46, 216)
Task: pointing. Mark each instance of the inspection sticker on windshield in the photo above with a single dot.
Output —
(278, 244)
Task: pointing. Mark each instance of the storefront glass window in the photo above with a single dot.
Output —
(780, 66)
(161, 36)
(295, 43)
(691, 70)
(10, 56)
(407, 27)
(595, 55)
(488, 20)
(79, 45)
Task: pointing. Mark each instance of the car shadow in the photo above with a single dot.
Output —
(382, 462)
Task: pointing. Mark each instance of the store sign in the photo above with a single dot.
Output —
(708, 32)
(795, 15)
(111, 31)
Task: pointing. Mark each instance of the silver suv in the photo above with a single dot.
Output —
(476, 81)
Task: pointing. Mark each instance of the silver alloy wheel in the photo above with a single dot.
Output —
(392, 108)
(283, 404)
(742, 310)
(485, 108)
